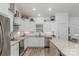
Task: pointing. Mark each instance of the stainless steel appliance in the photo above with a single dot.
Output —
(21, 47)
(4, 36)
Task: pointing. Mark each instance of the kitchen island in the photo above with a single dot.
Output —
(17, 46)
(66, 48)
(16, 41)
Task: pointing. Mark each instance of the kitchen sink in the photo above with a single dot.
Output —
(73, 40)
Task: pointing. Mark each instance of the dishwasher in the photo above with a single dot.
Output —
(21, 47)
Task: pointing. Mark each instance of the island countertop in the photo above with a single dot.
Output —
(16, 41)
(66, 47)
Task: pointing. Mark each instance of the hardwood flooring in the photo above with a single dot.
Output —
(41, 52)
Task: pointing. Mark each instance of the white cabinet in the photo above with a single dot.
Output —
(18, 20)
(61, 17)
(10, 16)
(35, 42)
(62, 25)
(15, 50)
(4, 8)
(62, 31)
(53, 51)
(47, 27)
(25, 25)
(29, 26)
(50, 27)
(32, 27)
(25, 43)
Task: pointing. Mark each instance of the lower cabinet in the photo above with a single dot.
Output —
(53, 50)
(25, 43)
(15, 50)
(35, 42)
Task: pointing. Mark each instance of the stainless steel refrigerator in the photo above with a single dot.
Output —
(4, 36)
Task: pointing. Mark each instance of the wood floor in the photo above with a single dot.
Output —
(41, 52)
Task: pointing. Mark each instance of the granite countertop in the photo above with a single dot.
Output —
(18, 39)
(66, 47)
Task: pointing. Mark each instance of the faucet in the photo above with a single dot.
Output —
(53, 34)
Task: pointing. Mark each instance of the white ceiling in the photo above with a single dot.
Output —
(42, 8)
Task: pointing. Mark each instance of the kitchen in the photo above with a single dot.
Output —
(39, 29)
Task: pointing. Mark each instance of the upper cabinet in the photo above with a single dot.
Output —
(11, 7)
(29, 26)
(61, 17)
(49, 26)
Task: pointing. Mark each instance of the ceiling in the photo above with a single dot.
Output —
(42, 9)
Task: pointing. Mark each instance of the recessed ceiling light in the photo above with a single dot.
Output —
(49, 9)
(34, 9)
(38, 14)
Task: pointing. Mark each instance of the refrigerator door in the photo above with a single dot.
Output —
(4, 36)
(1, 39)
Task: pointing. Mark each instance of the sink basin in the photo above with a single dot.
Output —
(74, 40)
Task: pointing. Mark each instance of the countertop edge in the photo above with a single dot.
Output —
(66, 49)
(12, 43)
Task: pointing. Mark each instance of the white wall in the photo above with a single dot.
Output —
(39, 20)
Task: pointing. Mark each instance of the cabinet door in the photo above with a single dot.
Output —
(62, 31)
(15, 50)
(35, 42)
(40, 42)
(25, 43)
(29, 26)
(61, 18)
(32, 27)
(31, 42)
(47, 27)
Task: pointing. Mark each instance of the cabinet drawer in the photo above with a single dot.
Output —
(15, 50)
(16, 46)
